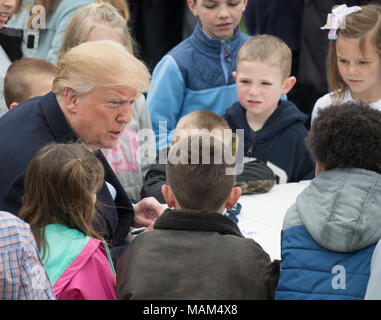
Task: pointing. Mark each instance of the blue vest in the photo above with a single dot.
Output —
(315, 273)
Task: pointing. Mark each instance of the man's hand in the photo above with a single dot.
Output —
(147, 211)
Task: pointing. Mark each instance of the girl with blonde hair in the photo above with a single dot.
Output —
(354, 57)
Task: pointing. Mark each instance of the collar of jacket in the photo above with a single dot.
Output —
(197, 221)
(56, 120)
(212, 47)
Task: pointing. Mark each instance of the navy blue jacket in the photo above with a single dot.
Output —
(280, 142)
(26, 129)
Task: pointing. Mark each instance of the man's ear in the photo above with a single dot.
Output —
(288, 84)
(233, 197)
(70, 98)
(168, 195)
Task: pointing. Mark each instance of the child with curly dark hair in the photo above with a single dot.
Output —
(329, 235)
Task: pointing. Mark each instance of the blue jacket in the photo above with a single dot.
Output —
(329, 236)
(27, 128)
(280, 142)
(195, 75)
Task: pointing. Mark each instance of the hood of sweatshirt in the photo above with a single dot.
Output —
(285, 115)
(341, 209)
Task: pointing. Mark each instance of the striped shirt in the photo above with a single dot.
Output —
(22, 274)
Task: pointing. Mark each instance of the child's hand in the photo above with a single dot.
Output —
(147, 211)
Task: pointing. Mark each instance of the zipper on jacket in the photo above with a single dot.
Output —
(225, 61)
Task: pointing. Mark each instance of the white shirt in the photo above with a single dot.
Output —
(327, 100)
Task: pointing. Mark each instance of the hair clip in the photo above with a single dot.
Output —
(336, 19)
(79, 159)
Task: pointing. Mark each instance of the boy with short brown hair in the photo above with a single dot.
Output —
(27, 78)
(194, 251)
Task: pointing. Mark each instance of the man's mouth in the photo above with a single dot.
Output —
(116, 134)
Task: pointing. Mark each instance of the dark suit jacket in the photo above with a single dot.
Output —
(27, 128)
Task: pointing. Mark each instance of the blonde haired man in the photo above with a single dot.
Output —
(93, 92)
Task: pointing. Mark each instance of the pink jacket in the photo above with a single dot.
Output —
(78, 280)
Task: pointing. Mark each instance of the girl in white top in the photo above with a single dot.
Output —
(354, 57)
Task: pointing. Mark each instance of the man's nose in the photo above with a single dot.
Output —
(126, 113)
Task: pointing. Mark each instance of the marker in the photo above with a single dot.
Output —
(138, 230)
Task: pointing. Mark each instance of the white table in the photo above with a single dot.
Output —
(261, 216)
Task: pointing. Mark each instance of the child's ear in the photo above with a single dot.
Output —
(168, 195)
(318, 168)
(192, 6)
(288, 84)
(244, 4)
(13, 104)
(234, 76)
(233, 197)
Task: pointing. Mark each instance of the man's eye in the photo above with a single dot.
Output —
(114, 103)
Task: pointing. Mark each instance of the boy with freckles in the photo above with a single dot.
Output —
(274, 130)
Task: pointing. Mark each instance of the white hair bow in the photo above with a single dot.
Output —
(336, 19)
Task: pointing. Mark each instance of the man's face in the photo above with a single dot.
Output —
(100, 116)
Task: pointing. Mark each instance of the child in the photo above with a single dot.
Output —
(194, 251)
(23, 276)
(274, 129)
(255, 178)
(27, 78)
(60, 192)
(330, 233)
(47, 21)
(196, 74)
(354, 58)
(103, 22)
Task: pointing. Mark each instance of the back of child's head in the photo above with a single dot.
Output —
(197, 170)
(346, 136)
(92, 16)
(364, 25)
(267, 49)
(204, 121)
(60, 186)
(22, 75)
